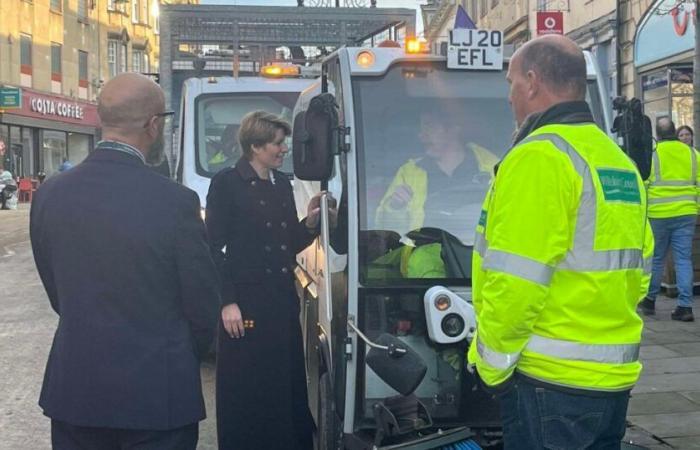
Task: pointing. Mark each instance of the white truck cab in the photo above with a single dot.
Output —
(211, 110)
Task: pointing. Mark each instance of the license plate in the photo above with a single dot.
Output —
(475, 49)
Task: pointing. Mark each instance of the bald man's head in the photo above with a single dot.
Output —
(665, 129)
(545, 72)
(558, 61)
(128, 101)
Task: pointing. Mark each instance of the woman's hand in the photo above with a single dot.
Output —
(233, 320)
(314, 210)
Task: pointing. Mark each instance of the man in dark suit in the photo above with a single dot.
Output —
(123, 255)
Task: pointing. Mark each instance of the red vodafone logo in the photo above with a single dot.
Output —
(550, 22)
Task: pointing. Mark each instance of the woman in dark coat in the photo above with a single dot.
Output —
(255, 235)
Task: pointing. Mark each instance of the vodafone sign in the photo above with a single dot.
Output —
(550, 22)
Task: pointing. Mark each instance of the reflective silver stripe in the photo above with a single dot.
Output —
(657, 165)
(503, 361)
(680, 198)
(648, 265)
(480, 244)
(576, 351)
(519, 266)
(604, 260)
(583, 257)
(672, 183)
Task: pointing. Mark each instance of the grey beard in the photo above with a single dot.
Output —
(156, 152)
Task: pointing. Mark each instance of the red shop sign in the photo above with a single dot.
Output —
(550, 22)
(51, 107)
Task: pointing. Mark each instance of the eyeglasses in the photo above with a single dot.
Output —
(165, 114)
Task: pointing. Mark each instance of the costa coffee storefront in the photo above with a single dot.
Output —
(46, 130)
(663, 59)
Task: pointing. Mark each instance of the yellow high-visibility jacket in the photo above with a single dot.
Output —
(562, 258)
(412, 175)
(673, 181)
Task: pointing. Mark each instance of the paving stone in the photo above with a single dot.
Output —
(686, 348)
(662, 403)
(693, 395)
(668, 337)
(668, 383)
(685, 443)
(672, 325)
(648, 352)
(669, 425)
(672, 365)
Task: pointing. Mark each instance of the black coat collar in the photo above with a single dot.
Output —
(561, 113)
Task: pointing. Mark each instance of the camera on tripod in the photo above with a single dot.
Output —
(634, 128)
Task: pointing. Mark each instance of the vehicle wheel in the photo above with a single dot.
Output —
(328, 424)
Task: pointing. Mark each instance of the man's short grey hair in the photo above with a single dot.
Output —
(561, 69)
(665, 128)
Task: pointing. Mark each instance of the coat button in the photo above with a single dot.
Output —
(253, 183)
(284, 204)
(285, 270)
(268, 248)
(268, 271)
(284, 224)
(283, 247)
(262, 202)
(268, 224)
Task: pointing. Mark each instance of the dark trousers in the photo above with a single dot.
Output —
(70, 437)
(540, 418)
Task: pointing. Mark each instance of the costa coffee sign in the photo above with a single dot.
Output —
(48, 107)
(51, 107)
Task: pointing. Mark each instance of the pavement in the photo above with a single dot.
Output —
(664, 410)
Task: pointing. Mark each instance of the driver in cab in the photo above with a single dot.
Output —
(434, 184)
(428, 191)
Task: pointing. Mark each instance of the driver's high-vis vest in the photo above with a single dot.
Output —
(673, 181)
(563, 256)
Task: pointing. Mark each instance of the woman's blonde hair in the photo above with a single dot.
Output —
(259, 128)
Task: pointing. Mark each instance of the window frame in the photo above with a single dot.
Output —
(26, 67)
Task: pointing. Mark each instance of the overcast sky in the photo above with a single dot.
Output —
(414, 4)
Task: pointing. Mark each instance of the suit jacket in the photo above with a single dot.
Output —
(123, 255)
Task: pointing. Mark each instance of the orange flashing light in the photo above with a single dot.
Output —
(279, 71)
(416, 45)
(365, 59)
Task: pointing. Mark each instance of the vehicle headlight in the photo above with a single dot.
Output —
(452, 325)
(442, 303)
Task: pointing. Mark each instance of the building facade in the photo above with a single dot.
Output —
(644, 48)
(59, 53)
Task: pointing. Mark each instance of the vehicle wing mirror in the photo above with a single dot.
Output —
(314, 139)
(395, 362)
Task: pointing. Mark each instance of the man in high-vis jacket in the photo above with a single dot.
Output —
(562, 258)
(673, 208)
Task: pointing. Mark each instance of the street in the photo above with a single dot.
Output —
(664, 409)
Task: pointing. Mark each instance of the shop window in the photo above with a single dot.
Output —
(53, 149)
(112, 51)
(28, 168)
(78, 147)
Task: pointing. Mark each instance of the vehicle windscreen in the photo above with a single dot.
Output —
(218, 119)
(428, 141)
